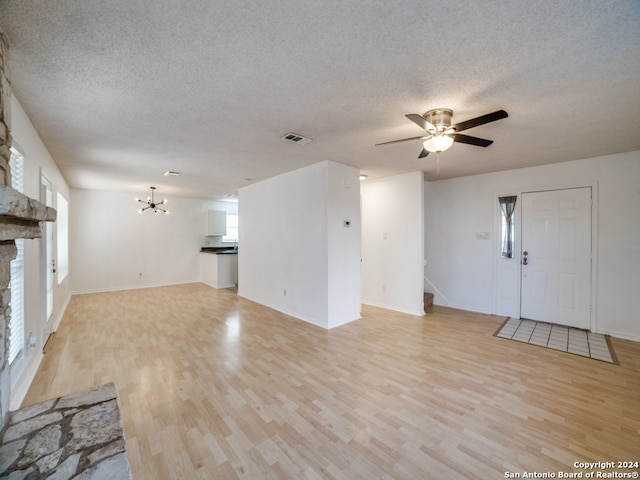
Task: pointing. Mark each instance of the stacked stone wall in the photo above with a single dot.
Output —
(77, 436)
(7, 247)
(20, 217)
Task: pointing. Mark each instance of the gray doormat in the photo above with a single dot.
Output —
(558, 337)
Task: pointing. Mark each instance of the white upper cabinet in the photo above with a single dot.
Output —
(216, 223)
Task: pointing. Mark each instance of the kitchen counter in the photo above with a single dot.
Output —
(219, 270)
(219, 250)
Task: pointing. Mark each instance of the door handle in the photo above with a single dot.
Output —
(524, 258)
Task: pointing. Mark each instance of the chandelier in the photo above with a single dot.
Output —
(151, 204)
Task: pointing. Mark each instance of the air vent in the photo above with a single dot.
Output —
(295, 138)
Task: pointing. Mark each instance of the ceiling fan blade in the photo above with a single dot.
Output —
(423, 153)
(417, 119)
(478, 142)
(474, 122)
(421, 122)
(403, 140)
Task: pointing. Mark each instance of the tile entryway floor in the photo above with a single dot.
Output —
(558, 337)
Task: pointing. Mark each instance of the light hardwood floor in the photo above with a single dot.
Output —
(212, 385)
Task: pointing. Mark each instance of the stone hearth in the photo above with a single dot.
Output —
(78, 436)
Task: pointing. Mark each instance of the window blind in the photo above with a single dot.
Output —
(16, 324)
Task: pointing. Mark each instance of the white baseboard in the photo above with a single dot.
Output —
(58, 319)
(23, 383)
(312, 321)
(21, 387)
(394, 308)
(623, 336)
(131, 287)
(468, 308)
(345, 321)
(218, 286)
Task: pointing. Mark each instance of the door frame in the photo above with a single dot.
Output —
(46, 318)
(513, 310)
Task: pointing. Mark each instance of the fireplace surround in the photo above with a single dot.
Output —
(77, 436)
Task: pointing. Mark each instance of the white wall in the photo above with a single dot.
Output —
(285, 242)
(113, 247)
(393, 242)
(36, 160)
(344, 244)
(465, 270)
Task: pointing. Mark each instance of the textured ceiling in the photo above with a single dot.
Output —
(122, 91)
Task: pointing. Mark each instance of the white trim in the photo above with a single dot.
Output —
(23, 383)
(497, 247)
(470, 308)
(56, 322)
(218, 286)
(594, 257)
(133, 287)
(395, 309)
(20, 389)
(296, 316)
(624, 336)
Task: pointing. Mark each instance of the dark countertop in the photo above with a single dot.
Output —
(220, 250)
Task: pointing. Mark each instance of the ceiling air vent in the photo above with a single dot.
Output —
(295, 138)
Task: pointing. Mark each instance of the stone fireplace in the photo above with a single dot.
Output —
(79, 435)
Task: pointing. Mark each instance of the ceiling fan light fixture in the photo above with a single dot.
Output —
(438, 143)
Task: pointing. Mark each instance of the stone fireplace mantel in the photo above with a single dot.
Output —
(20, 216)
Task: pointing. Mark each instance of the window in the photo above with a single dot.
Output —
(232, 229)
(508, 206)
(62, 222)
(16, 324)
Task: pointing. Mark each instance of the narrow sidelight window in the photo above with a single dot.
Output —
(508, 206)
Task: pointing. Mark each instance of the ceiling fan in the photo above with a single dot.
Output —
(441, 133)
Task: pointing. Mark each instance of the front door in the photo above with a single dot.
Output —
(556, 257)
